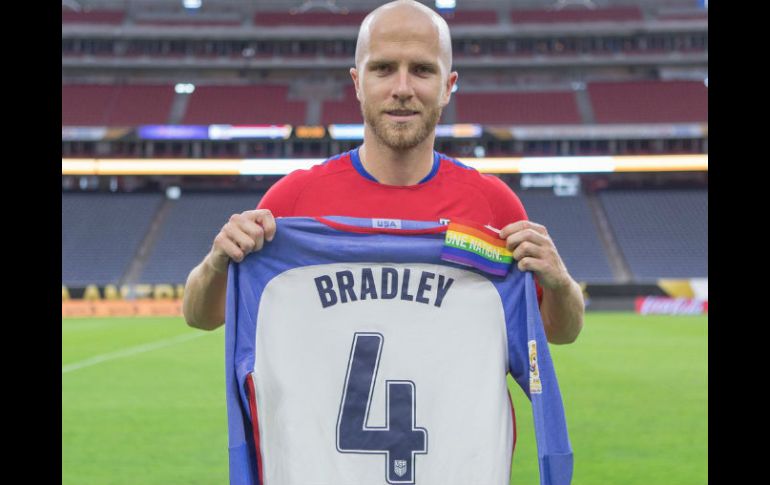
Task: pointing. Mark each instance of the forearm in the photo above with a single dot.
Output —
(562, 313)
(204, 297)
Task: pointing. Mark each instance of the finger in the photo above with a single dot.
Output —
(267, 221)
(529, 264)
(263, 218)
(520, 226)
(528, 249)
(247, 240)
(244, 224)
(527, 235)
(226, 245)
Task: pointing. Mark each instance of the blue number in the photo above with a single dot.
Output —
(399, 440)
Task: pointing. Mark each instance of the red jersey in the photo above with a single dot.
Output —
(341, 186)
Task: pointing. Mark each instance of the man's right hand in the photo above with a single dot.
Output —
(203, 304)
(244, 233)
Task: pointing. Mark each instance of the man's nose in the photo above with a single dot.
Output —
(403, 88)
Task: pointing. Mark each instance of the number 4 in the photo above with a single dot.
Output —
(399, 440)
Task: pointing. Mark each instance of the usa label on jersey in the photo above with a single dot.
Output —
(535, 386)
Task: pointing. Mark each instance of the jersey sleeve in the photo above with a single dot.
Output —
(531, 367)
(504, 202)
(241, 448)
(508, 209)
(281, 197)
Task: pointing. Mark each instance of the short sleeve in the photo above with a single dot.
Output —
(508, 208)
(505, 203)
(281, 197)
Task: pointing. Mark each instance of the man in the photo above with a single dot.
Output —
(403, 80)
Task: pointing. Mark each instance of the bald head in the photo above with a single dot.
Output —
(399, 18)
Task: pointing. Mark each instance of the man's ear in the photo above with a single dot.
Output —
(354, 75)
(450, 83)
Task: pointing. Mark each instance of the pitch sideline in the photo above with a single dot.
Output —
(98, 359)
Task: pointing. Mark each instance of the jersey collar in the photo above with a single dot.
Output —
(356, 160)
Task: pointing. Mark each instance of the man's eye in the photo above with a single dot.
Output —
(424, 69)
(382, 68)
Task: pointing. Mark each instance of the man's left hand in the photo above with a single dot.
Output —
(534, 250)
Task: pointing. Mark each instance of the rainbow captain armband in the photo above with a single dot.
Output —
(479, 247)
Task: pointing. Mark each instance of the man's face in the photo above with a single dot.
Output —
(401, 82)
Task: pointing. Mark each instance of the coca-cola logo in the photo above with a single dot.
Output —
(670, 306)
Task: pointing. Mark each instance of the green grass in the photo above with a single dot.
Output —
(635, 392)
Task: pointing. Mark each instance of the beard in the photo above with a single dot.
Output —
(400, 136)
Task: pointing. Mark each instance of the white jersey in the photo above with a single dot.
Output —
(362, 358)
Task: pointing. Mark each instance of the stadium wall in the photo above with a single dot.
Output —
(669, 296)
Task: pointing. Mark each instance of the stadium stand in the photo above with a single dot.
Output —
(661, 233)
(649, 101)
(244, 105)
(569, 15)
(110, 17)
(308, 19)
(573, 230)
(190, 226)
(173, 22)
(116, 105)
(471, 17)
(345, 110)
(101, 234)
(526, 108)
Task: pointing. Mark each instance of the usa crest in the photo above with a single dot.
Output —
(535, 386)
(399, 467)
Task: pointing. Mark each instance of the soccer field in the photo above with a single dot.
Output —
(143, 403)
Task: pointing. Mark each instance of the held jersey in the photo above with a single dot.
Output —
(356, 355)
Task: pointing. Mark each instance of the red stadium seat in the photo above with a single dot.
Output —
(271, 19)
(568, 15)
(116, 105)
(523, 108)
(112, 17)
(243, 105)
(346, 110)
(649, 101)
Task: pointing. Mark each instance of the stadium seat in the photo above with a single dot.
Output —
(244, 105)
(649, 101)
(523, 108)
(571, 226)
(95, 248)
(662, 233)
(188, 231)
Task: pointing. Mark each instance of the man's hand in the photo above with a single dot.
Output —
(562, 307)
(244, 233)
(206, 289)
(534, 251)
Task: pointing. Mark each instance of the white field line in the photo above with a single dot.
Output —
(98, 359)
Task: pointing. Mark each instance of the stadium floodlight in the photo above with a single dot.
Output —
(446, 4)
(192, 4)
(173, 192)
(455, 88)
(184, 88)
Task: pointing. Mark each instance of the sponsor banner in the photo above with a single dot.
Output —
(654, 305)
(121, 308)
(649, 131)
(689, 288)
(123, 292)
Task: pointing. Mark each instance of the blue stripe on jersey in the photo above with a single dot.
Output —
(360, 166)
(335, 157)
(455, 161)
(356, 160)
